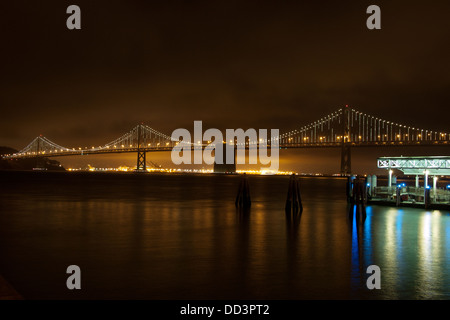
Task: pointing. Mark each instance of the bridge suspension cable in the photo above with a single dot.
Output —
(41, 145)
(344, 126)
(363, 129)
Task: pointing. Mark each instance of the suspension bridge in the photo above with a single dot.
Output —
(345, 128)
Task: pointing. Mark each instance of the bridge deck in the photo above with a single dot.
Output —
(282, 146)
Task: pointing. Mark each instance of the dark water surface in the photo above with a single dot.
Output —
(169, 236)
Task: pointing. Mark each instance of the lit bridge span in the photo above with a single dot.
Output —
(344, 128)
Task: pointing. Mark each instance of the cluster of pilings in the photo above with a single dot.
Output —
(243, 199)
(357, 197)
(293, 201)
(357, 194)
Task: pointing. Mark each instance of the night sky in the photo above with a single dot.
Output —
(231, 64)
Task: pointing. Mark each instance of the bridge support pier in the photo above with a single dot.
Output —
(225, 167)
(40, 164)
(346, 160)
(141, 161)
(141, 165)
(40, 161)
(346, 157)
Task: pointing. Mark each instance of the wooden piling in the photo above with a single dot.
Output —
(359, 198)
(243, 199)
(294, 200)
(427, 198)
(348, 189)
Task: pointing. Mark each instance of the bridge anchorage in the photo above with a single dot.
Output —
(345, 128)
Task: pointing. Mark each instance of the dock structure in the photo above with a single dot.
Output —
(426, 195)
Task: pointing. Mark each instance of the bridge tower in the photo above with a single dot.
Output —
(141, 155)
(40, 163)
(346, 158)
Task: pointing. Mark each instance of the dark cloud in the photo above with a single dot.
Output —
(260, 64)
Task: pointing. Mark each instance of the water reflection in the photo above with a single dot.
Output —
(181, 237)
(356, 220)
(411, 248)
(429, 253)
(292, 225)
(292, 249)
(242, 247)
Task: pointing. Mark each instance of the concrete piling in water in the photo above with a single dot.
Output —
(294, 200)
(243, 199)
(368, 187)
(349, 189)
(427, 198)
(373, 186)
(393, 181)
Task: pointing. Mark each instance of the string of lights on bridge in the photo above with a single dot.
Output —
(329, 131)
(364, 129)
